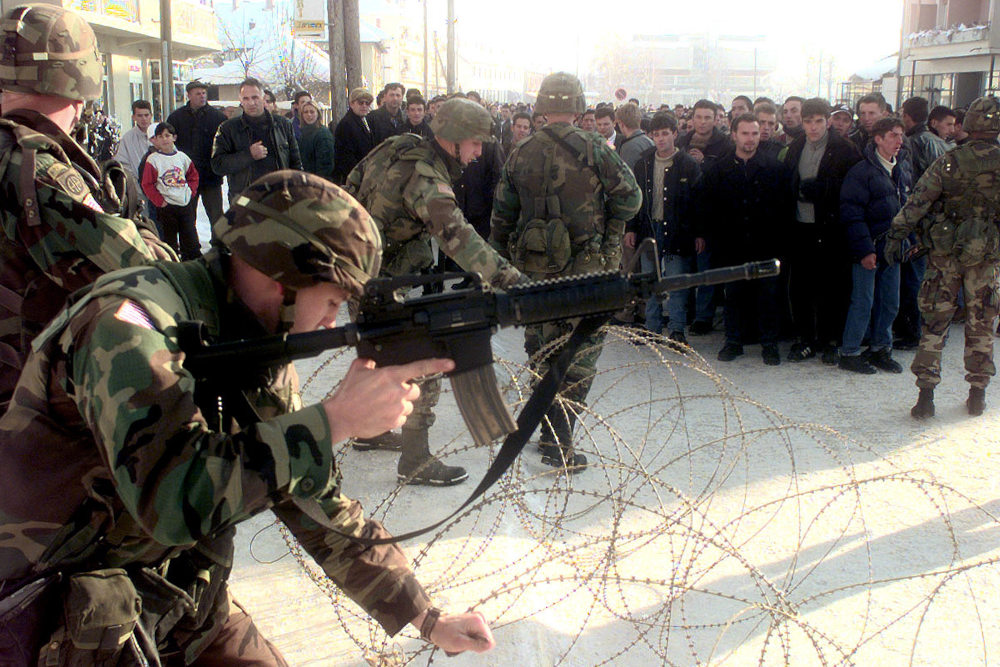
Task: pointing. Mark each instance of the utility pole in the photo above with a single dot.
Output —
(166, 61)
(437, 65)
(427, 92)
(899, 59)
(338, 80)
(352, 43)
(451, 47)
(819, 79)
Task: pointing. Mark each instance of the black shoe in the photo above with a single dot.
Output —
(857, 364)
(769, 353)
(430, 472)
(388, 441)
(830, 355)
(801, 352)
(882, 359)
(976, 402)
(700, 328)
(925, 404)
(730, 351)
(906, 343)
(557, 457)
(677, 339)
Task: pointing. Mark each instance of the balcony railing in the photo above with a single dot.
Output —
(126, 10)
(944, 36)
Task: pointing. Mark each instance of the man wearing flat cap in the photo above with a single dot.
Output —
(352, 137)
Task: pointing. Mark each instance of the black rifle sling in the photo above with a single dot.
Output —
(527, 421)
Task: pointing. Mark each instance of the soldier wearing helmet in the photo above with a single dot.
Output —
(560, 209)
(954, 211)
(138, 471)
(406, 184)
(63, 221)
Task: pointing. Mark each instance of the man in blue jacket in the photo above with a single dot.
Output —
(874, 191)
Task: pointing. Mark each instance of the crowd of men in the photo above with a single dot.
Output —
(125, 475)
(814, 185)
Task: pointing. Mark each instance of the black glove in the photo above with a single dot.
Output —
(810, 190)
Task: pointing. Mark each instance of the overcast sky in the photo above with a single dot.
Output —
(854, 32)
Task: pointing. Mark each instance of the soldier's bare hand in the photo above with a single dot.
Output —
(371, 400)
(456, 633)
(629, 239)
(258, 151)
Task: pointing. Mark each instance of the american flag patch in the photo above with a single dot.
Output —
(133, 314)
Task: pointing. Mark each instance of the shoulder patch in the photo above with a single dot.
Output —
(72, 184)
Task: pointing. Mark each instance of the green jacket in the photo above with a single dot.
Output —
(955, 206)
(562, 203)
(316, 151)
(406, 186)
(129, 454)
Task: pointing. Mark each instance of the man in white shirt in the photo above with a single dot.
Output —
(135, 144)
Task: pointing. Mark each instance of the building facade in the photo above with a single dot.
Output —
(950, 50)
(128, 34)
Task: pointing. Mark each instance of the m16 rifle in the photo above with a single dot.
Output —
(392, 329)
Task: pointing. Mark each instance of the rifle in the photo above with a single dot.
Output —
(457, 324)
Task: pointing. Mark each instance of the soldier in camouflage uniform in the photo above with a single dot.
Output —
(954, 210)
(560, 209)
(135, 474)
(58, 212)
(406, 185)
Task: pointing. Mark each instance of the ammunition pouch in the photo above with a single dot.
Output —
(100, 613)
(542, 247)
(407, 257)
(976, 241)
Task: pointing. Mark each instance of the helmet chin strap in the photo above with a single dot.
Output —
(286, 312)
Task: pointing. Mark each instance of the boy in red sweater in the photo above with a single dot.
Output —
(170, 180)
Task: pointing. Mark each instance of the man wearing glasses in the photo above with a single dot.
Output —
(352, 137)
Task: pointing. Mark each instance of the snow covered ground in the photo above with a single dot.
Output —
(733, 514)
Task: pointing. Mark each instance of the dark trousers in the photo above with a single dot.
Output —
(910, 277)
(746, 296)
(211, 199)
(819, 286)
(179, 221)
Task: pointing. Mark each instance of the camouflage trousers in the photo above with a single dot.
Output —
(579, 377)
(239, 644)
(422, 416)
(938, 300)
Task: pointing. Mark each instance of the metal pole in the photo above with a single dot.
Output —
(166, 61)
(352, 43)
(451, 47)
(427, 93)
(437, 65)
(755, 72)
(338, 79)
(819, 79)
(899, 58)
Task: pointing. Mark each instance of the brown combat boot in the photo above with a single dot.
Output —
(388, 441)
(418, 466)
(925, 404)
(976, 402)
(556, 444)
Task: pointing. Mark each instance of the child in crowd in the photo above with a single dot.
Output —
(170, 180)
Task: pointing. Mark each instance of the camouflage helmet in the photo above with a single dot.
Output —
(459, 119)
(983, 115)
(300, 229)
(49, 50)
(560, 93)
